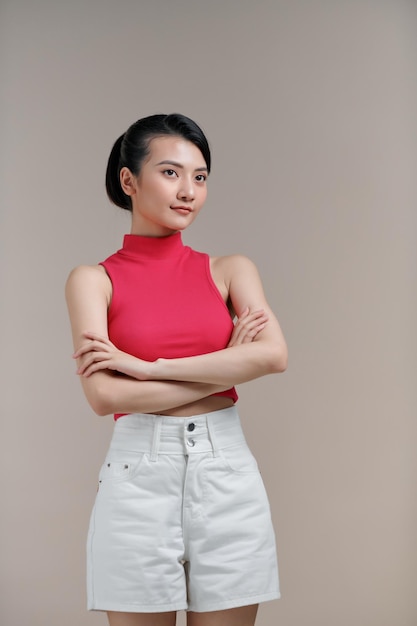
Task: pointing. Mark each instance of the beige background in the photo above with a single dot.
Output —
(310, 109)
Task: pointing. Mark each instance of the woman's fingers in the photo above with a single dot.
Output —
(90, 335)
(91, 346)
(252, 321)
(94, 367)
(93, 357)
(248, 326)
(251, 333)
(94, 343)
(248, 318)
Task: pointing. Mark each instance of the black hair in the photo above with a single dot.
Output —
(131, 148)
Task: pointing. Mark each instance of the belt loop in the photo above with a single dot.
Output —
(156, 437)
(212, 434)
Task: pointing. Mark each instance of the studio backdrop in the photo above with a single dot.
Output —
(310, 112)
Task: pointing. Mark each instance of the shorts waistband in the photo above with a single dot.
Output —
(166, 434)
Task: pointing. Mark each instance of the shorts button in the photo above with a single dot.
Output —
(191, 443)
(191, 427)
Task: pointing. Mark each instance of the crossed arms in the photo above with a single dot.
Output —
(256, 348)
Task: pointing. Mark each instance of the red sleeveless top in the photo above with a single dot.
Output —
(165, 303)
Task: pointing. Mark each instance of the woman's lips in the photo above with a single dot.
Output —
(184, 210)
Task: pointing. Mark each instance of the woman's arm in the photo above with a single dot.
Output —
(88, 293)
(108, 393)
(265, 353)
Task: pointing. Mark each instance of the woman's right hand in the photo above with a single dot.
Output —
(247, 326)
(99, 353)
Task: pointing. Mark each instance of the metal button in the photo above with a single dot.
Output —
(191, 443)
(191, 427)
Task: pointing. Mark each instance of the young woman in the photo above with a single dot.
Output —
(181, 519)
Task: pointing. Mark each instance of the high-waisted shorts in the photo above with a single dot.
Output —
(181, 519)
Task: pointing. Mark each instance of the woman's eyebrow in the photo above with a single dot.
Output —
(197, 169)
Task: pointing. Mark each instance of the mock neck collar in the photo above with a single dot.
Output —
(140, 246)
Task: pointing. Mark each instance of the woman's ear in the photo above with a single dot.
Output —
(127, 181)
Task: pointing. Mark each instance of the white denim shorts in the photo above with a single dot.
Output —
(181, 519)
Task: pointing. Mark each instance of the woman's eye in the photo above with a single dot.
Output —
(200, 178)
(170, 173)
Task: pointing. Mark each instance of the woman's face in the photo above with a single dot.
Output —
(170, 189)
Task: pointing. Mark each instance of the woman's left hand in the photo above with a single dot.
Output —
(247, 326)
(99, 353)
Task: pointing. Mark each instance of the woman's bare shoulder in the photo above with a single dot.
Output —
(88, 277)
(87, 272)
(228, 265)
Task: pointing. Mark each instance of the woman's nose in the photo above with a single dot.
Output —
(186, 190)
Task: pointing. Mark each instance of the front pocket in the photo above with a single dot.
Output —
(240, 459)
(120, 466)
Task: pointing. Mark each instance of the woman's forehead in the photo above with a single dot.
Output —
(176, 150)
